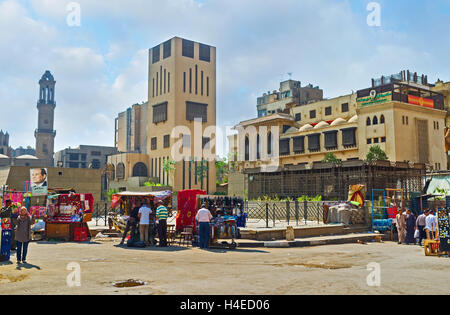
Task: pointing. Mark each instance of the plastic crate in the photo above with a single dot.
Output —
(6, 242)
(80, 234)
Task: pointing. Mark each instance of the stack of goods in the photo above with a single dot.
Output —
(344, 213)
(230, 208)
(69, 208)
(358, 216)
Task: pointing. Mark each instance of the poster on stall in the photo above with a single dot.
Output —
(39, 181)
(444, 230)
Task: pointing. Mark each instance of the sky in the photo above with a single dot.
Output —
(101, 66)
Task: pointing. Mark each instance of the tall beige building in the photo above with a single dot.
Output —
(181, 91)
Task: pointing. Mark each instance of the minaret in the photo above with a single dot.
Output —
(44, 134)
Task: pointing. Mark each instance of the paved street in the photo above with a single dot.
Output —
(333, 269)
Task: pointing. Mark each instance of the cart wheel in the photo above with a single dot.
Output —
(233, 245)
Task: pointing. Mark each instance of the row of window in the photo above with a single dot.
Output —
(188, 50)
(194, 88)
(314, 143)
(193, 110)
(167, 51)
(376, 140)
(436, 125)
(161, 85)
(374, 121)
(328, 112)
(186, 142)
(405, 120)
(95, 164)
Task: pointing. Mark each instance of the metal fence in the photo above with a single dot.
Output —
(300, 212)
(100, 213)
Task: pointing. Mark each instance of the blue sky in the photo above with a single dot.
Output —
(101, 67)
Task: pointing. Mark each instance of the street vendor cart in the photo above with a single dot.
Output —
(227, 211)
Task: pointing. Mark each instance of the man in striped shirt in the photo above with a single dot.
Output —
(161, 215)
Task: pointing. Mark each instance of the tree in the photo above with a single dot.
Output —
(169, 168)
(376, 154)
(222, 171)
(331, 158)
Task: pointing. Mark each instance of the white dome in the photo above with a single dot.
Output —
(27, 157)
(292, 130)
(3, 156)
(338, 121)
(322, 124)
(306, 127)
(353, 119)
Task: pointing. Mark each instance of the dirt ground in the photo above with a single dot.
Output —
(334, 269)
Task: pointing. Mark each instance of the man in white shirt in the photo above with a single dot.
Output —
(203, 218)
(144, 222)
(431, 225)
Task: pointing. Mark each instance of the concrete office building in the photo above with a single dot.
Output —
(181, 88)
(85, 156)
(290, 93)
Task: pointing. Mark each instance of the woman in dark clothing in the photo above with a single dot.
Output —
(410, 227)
(23, 234)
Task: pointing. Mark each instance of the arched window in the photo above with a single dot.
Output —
(369, 122)
(382, 120)
(140, 170)
(258, 148)
(269, 143)
(247, 149)
(120, 171)
(375, 121)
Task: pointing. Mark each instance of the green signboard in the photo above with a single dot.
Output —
(374, 99)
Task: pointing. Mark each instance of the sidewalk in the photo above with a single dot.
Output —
(312, 241)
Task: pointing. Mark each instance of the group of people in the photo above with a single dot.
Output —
(141, 214)
(411, 228)
(21, 229)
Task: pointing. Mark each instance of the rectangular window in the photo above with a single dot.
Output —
(207, 86)
(331, 140)
(167, 49)
(328, 111)
(205, 53)
(196, 79)
(186, 141)
(83, 157)
(369, 141)
(299, 145)
(155, 54)
(157, 80)
(349, 137)
(376, 140)
(165, 77)
(153, 94)
(190, 80)
(188, 48)
(314, 142)
(96, 153)
(298, 117)
(166, 141)
(161, 79)
(312, 114)
(383, 139)
(284, 147)
(184, 82)
(159, 113)
(168, 82)
(201, 80)
(73, 157)
(154, 143)
(196, 110)
(345, 107)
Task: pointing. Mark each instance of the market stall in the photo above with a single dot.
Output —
(386, 204)
(68, 215)
(228, 213)
(123, 202)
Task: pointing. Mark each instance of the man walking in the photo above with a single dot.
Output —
(144, 222)
(161, 216)
(203, 218)
(420, 225)
(431, 226)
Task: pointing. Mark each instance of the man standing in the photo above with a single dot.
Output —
(7, 213)
(431, 226)
(144, 222)
(410, 227)
(161, 216)
(131, 223)
(420, 225)
(203, 218)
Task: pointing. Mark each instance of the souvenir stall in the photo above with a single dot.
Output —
(385, 206)
(123, 202)
(438, 244)
(187, 209)
(68, 215)
(228, 214)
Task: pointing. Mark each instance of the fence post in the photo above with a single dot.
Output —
(96, 214)
(296, 211)
(288, 211)
(273, 214)
(305, 212)
(106, 215)
(267, 215)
